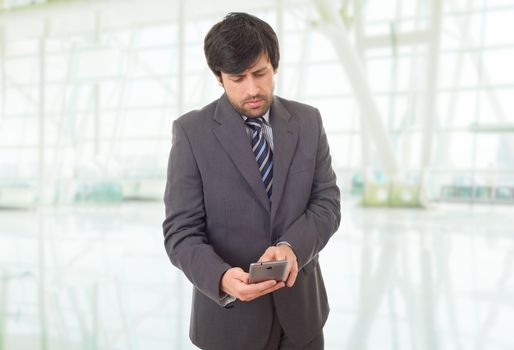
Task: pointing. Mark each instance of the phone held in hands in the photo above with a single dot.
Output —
(269, 270)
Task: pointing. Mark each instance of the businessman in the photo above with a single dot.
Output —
(250, 179)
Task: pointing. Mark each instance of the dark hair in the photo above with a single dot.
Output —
(235, 43)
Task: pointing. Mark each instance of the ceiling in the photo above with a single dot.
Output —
(63, 16)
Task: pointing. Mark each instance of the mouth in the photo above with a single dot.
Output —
(254, 103)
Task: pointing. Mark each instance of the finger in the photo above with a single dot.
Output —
(289, 267)
(272, 289)
(292, 276)
(261, 286)
(291, 263)
(238, 287)
(245, 278)
(267, 291)
(241, 276)
(236, 271)
(252, 291)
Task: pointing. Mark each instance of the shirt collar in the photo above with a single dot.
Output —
(265, 117)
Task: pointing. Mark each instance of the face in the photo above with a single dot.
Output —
(251, 91)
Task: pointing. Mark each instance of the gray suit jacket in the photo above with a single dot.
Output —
(218, 216)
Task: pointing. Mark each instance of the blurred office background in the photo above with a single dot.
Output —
(417, 98)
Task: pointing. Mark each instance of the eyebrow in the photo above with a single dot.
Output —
(260, 70)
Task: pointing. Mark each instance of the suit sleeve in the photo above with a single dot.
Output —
(185, 239)
(311, 231)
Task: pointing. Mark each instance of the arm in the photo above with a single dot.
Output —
(312, 230)
(185, 239)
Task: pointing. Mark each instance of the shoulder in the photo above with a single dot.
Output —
(305, 115)
(197, 116)
(297, 108)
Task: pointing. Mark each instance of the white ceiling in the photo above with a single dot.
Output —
(64, 17)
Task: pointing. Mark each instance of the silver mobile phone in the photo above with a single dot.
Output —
(270, 270)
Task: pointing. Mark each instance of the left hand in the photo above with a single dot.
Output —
(283, 252)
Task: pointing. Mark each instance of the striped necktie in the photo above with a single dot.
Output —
(263, 153)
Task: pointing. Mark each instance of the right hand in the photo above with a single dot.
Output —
(235, 283)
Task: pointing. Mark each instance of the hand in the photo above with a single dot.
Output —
(283, 252)
(235, 282)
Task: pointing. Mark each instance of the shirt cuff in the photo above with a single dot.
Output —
(226, 299)
(284, 243)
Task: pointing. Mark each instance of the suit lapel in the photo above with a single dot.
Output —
(285, 137)
(232, 135)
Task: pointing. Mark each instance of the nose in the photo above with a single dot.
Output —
(252, 87)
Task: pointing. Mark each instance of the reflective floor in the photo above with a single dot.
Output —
(98, 278)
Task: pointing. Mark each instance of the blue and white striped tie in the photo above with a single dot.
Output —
(263, 153)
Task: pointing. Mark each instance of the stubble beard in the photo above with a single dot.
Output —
(253, 112)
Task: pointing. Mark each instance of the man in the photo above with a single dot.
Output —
(250, 179)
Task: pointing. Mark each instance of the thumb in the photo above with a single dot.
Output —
(239, 274)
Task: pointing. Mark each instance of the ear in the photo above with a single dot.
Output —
(220, 80)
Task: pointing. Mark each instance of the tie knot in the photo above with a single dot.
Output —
(254, 123)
